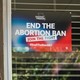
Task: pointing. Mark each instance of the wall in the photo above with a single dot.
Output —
(1, 42)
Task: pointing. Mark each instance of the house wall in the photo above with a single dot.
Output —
(1, 42)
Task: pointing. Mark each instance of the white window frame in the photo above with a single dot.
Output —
(7, 39)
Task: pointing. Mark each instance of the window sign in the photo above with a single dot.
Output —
(41, 31)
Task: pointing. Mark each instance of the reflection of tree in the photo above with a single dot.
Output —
(48, 66)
